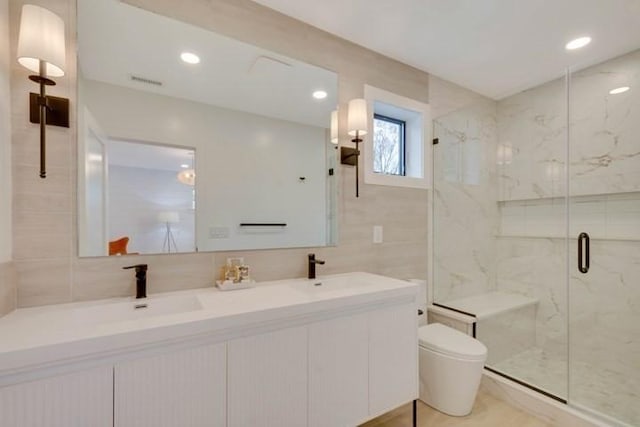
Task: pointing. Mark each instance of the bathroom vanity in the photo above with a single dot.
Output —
(334, 351)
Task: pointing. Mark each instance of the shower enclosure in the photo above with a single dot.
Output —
(537, 234)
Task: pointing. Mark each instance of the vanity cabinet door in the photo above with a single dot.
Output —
(338, 371)
(393, 357)
(185, 388)
(79, 399)
(267, 376)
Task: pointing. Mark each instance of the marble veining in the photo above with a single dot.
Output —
(581, 341)
(604, 390)
(464, 207)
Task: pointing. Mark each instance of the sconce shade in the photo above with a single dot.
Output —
(357, 117)
(334, 127)
(41, 38)
(169, 216)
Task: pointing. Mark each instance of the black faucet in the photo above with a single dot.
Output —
(141, 279)
(312, 265)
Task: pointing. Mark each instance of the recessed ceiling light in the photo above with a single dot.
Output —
(190, 58)
(578, 43)
(320, 94)
(184, 166)
(619, 90)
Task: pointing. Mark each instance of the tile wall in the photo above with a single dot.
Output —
(591, 321)
(465, 210)
(500, 224)
(7, 276)
(44, 235)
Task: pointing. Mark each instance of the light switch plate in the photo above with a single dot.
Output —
(377, 234)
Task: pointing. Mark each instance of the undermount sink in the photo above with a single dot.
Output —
(137, 309)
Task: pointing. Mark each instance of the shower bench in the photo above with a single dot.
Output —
(504, 322)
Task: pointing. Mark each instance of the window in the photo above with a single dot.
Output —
(389, 145)
(397, 147)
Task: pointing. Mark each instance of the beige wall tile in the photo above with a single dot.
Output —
(45, 234)
(33, 247)
(26, 179)
(37, 222)
(446, 97)
(42, 282)
(8, 295)
(27, 146)
(42, 202)
(178, 272)
(404, 260)
(5, 137)
(270, 264)
(95, 278)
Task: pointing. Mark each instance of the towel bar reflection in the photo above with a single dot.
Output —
(263, 224)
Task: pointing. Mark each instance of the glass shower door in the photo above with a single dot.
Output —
(604, 246)
(527, 333)
(500, 230)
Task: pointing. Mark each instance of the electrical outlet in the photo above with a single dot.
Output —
(218, 232)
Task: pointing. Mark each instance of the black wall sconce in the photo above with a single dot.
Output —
(357, 125)
(41, 49)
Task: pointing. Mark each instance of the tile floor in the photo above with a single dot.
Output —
(614, 391)
(488, 411)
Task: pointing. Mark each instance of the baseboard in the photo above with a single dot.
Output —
(545, 408)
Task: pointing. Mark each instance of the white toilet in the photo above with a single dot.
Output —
(451, 364)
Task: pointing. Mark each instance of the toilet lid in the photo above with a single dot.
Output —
(448, 341)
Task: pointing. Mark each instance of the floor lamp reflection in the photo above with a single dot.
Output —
(168, 218)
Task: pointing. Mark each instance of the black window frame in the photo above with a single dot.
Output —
(403, 142)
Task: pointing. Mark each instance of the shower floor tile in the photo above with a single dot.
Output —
(611, 393)
(537, 367)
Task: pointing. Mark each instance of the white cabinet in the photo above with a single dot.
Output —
(186, 388)
(393, 357)
(333, 368)
(267, 377)
(79, 399)
(338, 371)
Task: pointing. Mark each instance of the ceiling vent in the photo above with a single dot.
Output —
(145, 80)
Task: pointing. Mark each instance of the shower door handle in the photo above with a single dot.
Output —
(583, 253)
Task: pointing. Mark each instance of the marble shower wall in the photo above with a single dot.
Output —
(604, 152)
(604, 181)
(465, 207)
(536, 267)
(532, 133)
(604, 184)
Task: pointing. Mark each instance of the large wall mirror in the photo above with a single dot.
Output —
(192, 141)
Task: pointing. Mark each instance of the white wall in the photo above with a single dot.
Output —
(5, 136)
(259, 160)
(137, 196)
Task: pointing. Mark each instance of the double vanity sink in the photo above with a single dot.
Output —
(340, 348)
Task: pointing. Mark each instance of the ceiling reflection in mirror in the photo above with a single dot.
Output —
(191, 141)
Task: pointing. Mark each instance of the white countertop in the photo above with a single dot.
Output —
(42, 336)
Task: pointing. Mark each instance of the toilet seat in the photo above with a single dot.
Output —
(450, 342)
